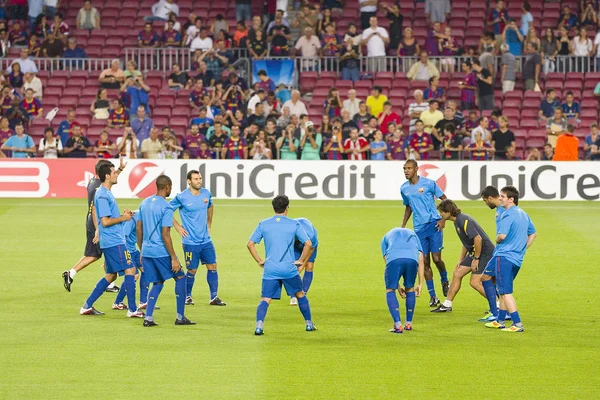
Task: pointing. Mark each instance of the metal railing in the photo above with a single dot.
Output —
(162, 59)
(63, 64)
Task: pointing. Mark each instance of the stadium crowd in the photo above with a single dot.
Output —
(236, 119)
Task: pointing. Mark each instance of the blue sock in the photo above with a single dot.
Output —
(411, 301)
(261, 312)
(304, 307)
(393, 305)
(502, 315)
(180, 286)
(129, 284)
(212, 277)
(96, 293)
(307, 280)
(430, 288)
(444, 276)
(144, 285)
(490, 294)
(189, 283)
(516, 318)
(121, 295)
(152, 298)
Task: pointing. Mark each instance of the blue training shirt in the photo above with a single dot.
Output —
(310, 230)
(130, 232)
(400, 243)
(106, 206)
(279, 233)
(421, 199)
(517, 226)
(499, 212)
(155, 214)
(193, 211)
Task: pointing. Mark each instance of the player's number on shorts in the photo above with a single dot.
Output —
(188, 256)
(127, 255)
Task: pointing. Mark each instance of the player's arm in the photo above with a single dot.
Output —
(306, 252)
(139, 227)
(477, 247)
(531, 234)
(252, 249)
(180, 229)
(209, 217)
(122, 164)
(95, 221)
(407, 214)
(166, 237)
(108, 221)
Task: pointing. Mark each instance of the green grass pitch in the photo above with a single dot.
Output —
(47, 350)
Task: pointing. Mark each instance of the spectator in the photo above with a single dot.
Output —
(415, 109)
(257, 25)
(375, 101)
(327, 19)
(430, 118)
(548, 152)
(395, 17)
(583, 49)
(272, 106)
(502, 139)
(26, 64)
(170, 150)
(51, 6)
(588, 16)
(4, 43)
(534, 154)
(567, 19)
(34, 83)
(138, 91)
(353, 35)
(451, 143)
(191, 29)
(449, 118)
(77, 145)
(42, 27)
(147, 37)
(511, 154)
(5, 131)
(591, 145)
(59, 27)
(526, 18)
(434, 91)
(265, 83)
(513, 38)
(368, 9)
(548, 105)
(571, 109)
(73, 51)
(258, 47)
(424, 70)
(565, 45)
(203, 122)
(556, 126)
(333, 104)
(532, 67)
(307, 17)
(104, 146)
(17, 35)
(132, 70)
(350, 61)
(196, 96)
(333, 147)
(52, 47)
(179, 79)
(217, 139)
(50, 145)
(113, 77)
(356, 147)
(202, 73)
(171, 37)
(278, 20)
(375, 38)
(16, 114)
(279, 35)
(128, 144)
(32, 105)
(485, 86)
(432, 41)
(88, 17)
(483, 125)
(33, 45)
(118, 117)
(495, 118)
(260, 150)
(99, 108)
(152, 146)
(256, 99)
(488, 59)
(310, 143)
(65, 127)
(549, 51)
(141, 124)
(19, 144)
(16, 77)
(508, 64)
(368, 129)
(235, 147)
(295, 105)
(18, 9)
(310, 47)
(202, 42)
(567, 146)
(387, 116)
(419, 143)
(458, 115)
(240, 35)
(397, 148)
(347, 125)
(352, 104)
(437, 11)
(363, 116)
(533, 38)
(193, 140)
(258, 117)
(498, 20)
(215, 63)
(408, 47)
(243, 10)
(36, 8)
(330, 42)
(161, 10)
(479, 149)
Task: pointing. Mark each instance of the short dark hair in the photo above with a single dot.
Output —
(105, 169)
(449, 206)
(476, 62)
(569, 93)
(450, 128)
(490, 191)
(99, 164)
(511, 192)
(49, 129)
(262, 72)
(550, 90)
(192, 172)
(378, 88)
(419, 120)
(280, 203)
(387, 103)
(413, 162)
(527, 7)
(570, 128)
(59, 15)
(162, 182)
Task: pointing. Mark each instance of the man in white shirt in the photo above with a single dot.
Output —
(368, 9)
(34, 83)
(27, 64)
(375, 38)
(193, 31)
(351, 103)
(295, 105)
(161, 10)
(484, 124)
(258, 97)
(415, 109)
(202, 42)
(310, 47)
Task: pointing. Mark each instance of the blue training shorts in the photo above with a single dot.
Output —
(271, 288)
(432, 240)
(506, 272)
(117, 259)
(405, 268)
(135, 259)
(159, 269)
(199, 254)
(312, 258)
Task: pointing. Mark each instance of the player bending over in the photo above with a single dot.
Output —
(159, 260)
(418, 195)
(309, 266)
(280, 267)
(477, 249)
(196, 210)
(403, 256)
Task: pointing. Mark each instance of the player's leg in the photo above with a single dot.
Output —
(208, 257)
(152, 275)
(489, 289)
(409, 275)
(192, 261)
(461, 270)
(436, 243)
(393, 271)
(91, 254)
(118, 304)
(112, 288)
(510, 272)
(475, 283)
(297, 254)
(144, 289)
(88, 306)
(271, 289)
(294, 286)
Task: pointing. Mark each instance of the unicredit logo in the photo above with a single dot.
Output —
(142, 177)
(434, 173)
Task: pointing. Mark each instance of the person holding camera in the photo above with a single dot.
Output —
(310, 142)
(334, 148)
(287, 144)
(78, 145)
(128, 144)
(260, 149)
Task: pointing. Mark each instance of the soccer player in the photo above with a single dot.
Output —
(92, 250)
(196, 210)
(403, 256)
(515, 235)
(280, 267)
(310, 263)
(418, 195)
(476, 252)
(112, 243)
(158, 256)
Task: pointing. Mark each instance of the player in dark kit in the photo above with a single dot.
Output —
(476, 252)
(92, 252)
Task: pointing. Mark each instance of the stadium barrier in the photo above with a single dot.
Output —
(319, 180)
(64, 64)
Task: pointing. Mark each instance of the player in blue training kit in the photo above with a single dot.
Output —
(159, 260)
(418, 195)
(280, 266)
(403, 256)
(112, 243)
(196, 210)
(515, 234)
(308, 267)
(130, 233)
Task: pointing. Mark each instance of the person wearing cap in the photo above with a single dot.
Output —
(310, 142)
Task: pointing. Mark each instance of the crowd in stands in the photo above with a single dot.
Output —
(236, 119)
